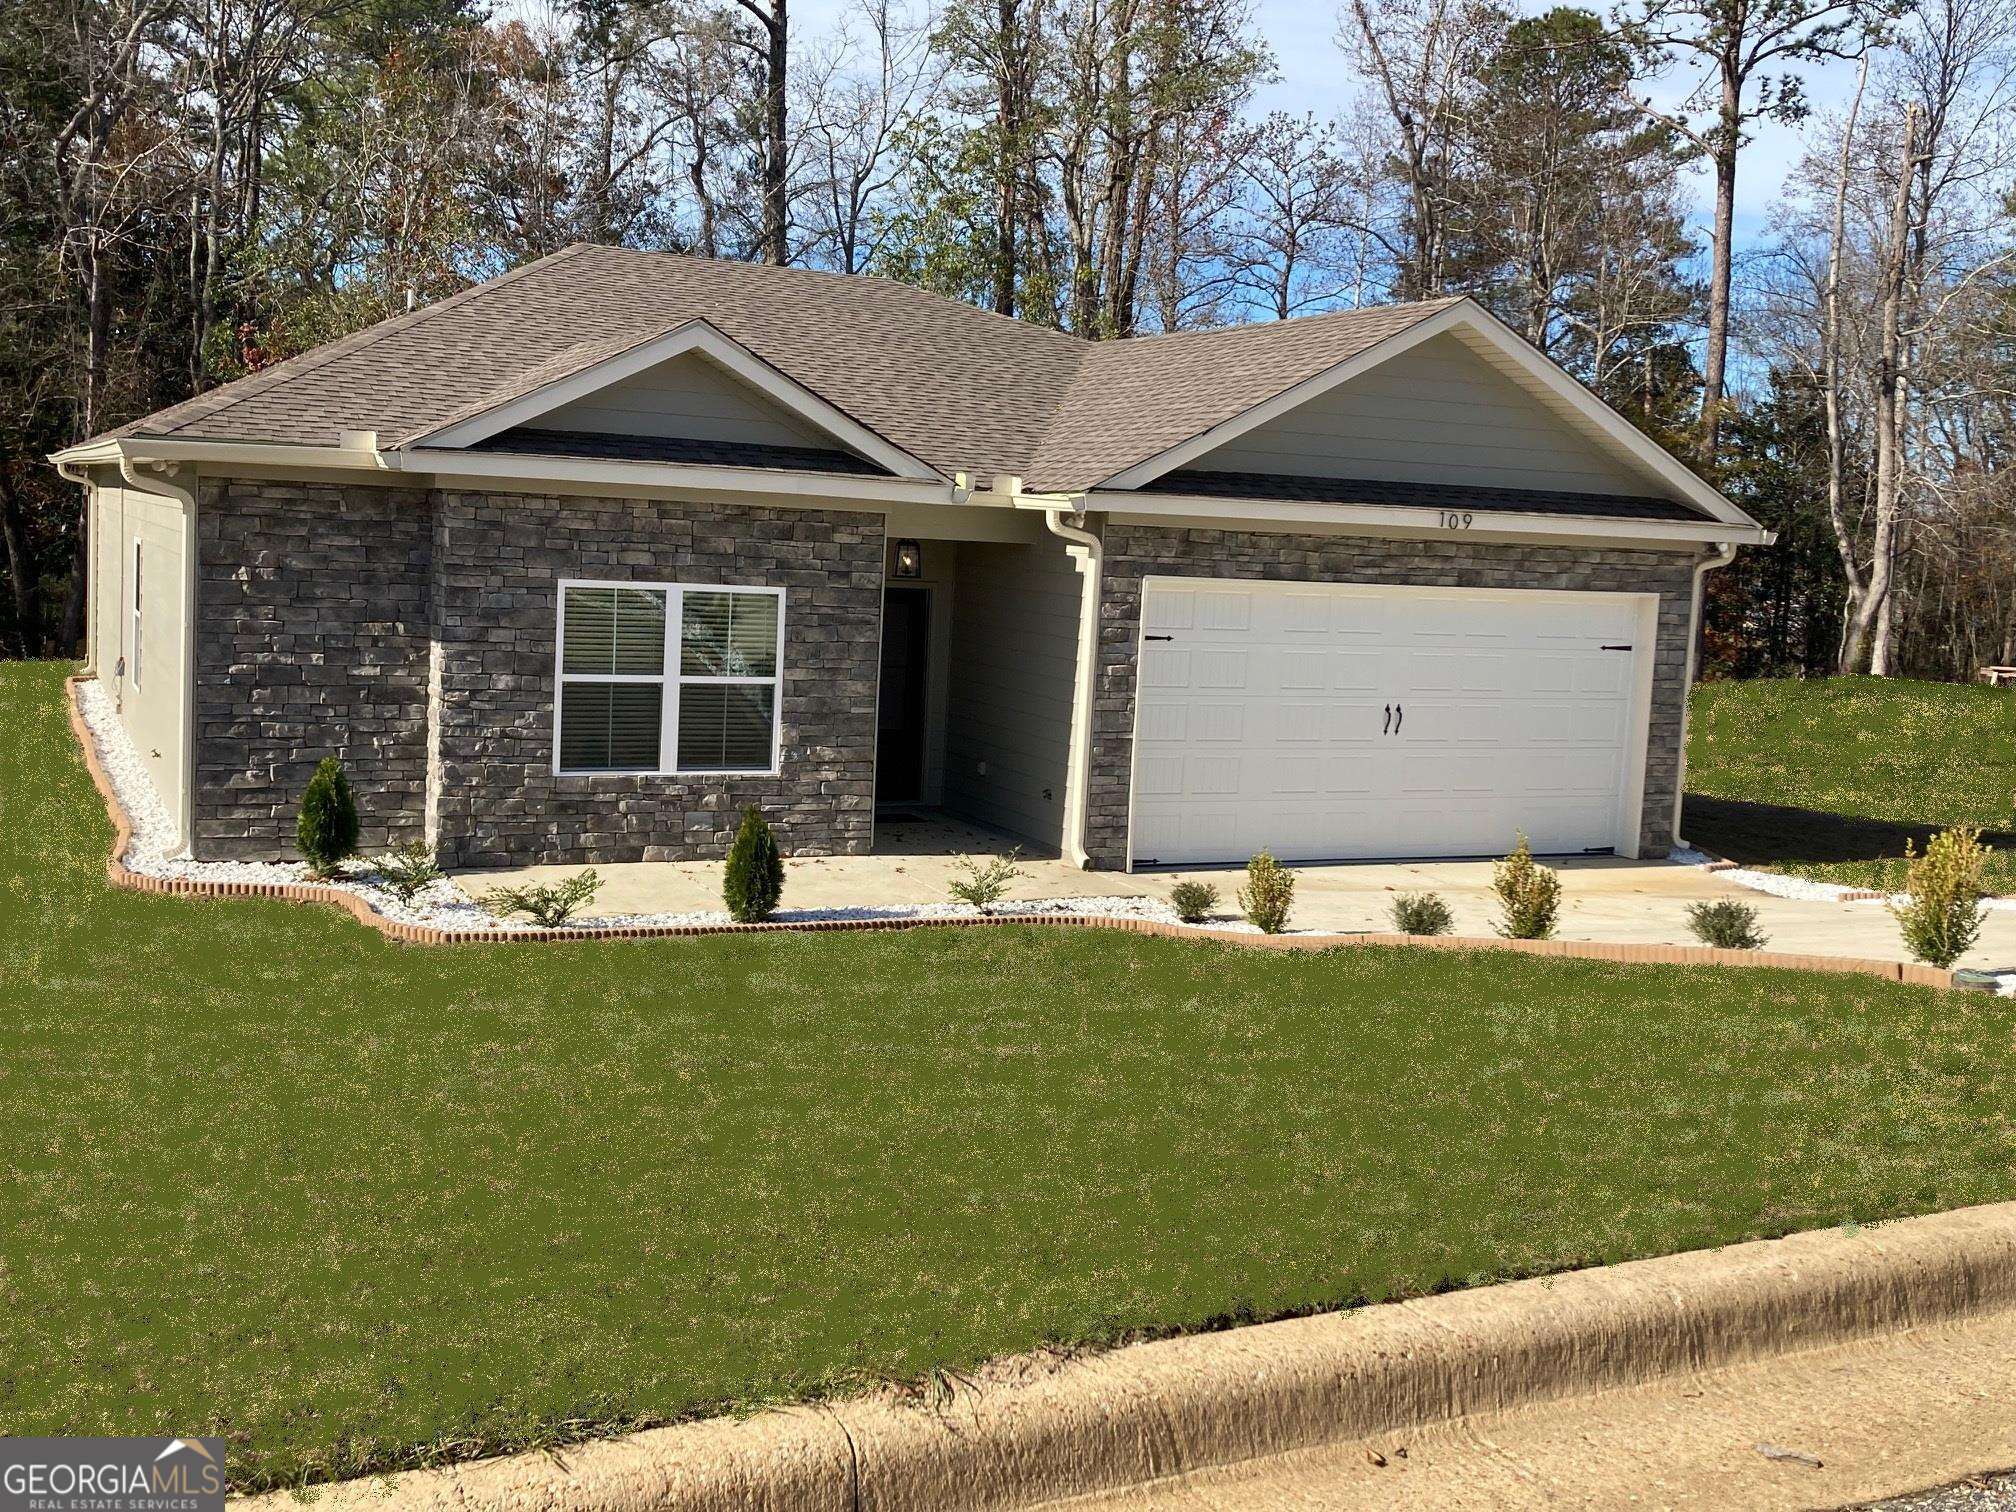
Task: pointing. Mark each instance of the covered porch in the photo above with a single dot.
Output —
(978, 661)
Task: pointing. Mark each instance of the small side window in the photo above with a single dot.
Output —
(133, 662)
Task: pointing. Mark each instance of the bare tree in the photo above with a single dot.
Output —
(1419, 56)
(1293, 252)
(1737, 43)
(854, 118)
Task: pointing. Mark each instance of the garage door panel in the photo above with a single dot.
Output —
(1289, 698)
(1361, 672)
(1165, 667)
(1218, 667)
(1169, 609)
(1305, 669)
(1224, 610)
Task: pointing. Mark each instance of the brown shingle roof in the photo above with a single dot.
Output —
(961, 389)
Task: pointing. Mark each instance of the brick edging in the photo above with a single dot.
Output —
(117, 873)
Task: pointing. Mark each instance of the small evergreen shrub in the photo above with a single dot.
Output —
(407, 871)
(755, 877)
(983, 886)
(326, 832)
(1268, 895)
(1940, 917)
(1422, 914)
(1726, 924)
(549, 904)
(1529, 893)
(1193, 901)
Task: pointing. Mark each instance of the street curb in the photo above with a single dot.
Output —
(1033, 1430)
(118, 875)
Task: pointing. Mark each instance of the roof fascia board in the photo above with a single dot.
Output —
(813, 487)
(689, 336)
(1290, 398)
(523, 468)
(1283, 514)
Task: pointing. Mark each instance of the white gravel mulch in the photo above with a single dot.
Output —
(1801, 889)
(442, 904)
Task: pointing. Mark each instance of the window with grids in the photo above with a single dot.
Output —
(668, 678)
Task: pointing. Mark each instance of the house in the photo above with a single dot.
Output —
(573, 565)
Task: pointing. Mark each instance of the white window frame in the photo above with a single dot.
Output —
(672, 679)
(133, 663)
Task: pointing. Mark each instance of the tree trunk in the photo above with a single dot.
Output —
(21, 576)
(776, 135)
(1869, 617)
(1830, 368)
(1717, 360)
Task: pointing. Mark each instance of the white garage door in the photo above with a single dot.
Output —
(1335, 722)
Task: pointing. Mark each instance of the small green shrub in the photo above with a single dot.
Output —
(1726, 924)
(406, 871)
(1940, 917)
(983, 886)
(326, 832)
(1422, 914)
(1268, 895)
(1529, 893)
(1193, 901)
(755, 877)
(550, 904)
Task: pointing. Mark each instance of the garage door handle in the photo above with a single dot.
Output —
(1399, 717)
(1387, 728)
(1158, 637)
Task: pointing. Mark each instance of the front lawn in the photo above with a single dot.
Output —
(355, 1204)
(1828, 778)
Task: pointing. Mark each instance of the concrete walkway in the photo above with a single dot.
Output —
(1619, 902)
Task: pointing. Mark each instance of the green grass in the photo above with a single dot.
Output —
(356, 1205)
(1829, 778)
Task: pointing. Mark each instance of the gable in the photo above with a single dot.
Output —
(1435, 413)
(687, 398)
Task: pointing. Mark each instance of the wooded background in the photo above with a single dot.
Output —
(191, 190)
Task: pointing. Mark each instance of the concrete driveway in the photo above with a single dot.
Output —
(1624, 902)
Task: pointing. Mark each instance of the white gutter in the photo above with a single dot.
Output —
(1706, 565)
(72, 473)
(185, 817)
(1086, 552)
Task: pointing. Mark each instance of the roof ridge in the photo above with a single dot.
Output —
(1356, 311)
(285, 372)
(908, 290)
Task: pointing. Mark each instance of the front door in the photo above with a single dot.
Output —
(899, 739)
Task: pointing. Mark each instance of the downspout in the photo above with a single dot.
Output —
(70, 472)
(1084, 550)
(163, 483)
(1722, 556)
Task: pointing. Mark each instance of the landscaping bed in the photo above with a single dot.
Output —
(1828, 778)
(357, 1205)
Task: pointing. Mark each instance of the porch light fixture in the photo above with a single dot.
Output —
(909, 559)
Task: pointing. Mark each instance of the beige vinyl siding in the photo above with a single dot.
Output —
(689, 398)
(1014, 649)
(150, 706)
(1437, 413)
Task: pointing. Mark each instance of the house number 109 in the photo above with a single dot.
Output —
(1453, 520)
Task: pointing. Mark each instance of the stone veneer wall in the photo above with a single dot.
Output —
(497, 560)
(311, 640)
(1133, 552)
(320, 607)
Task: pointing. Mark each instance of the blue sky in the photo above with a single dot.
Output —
(1315, 77)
